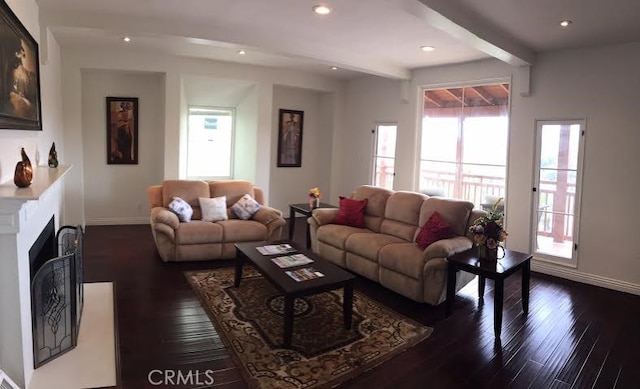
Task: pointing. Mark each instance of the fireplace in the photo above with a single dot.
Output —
(24, 214)
(55, 262)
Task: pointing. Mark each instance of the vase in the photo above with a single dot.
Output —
(24, 171)
(314, 202)
(53, 156)
(486, 253)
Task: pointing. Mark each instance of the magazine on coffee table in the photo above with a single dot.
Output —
(304, 274)
(275, 249)
(291, 260)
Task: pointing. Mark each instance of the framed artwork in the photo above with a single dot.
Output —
(20, 75)
(290, 138)
(122, 130)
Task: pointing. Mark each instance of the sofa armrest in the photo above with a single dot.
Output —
(447, 247)
(164, 216)
(266, 215)
(272, 219)
(324, 215)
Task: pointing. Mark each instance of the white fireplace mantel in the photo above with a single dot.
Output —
(24, 212)
(13, 198)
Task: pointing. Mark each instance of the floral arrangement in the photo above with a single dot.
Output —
(315, 193)
(488, 230)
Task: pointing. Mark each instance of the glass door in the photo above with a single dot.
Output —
(557, 190)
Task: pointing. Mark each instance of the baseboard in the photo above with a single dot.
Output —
(105, 221)
(591, 279)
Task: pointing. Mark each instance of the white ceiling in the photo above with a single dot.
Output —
(380, 37)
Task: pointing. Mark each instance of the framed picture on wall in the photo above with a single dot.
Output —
(122, 130)
(20, 75)
(290, 125)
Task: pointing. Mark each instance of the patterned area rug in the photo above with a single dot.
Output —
(323, 353)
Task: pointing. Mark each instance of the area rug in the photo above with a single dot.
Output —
(323, 353)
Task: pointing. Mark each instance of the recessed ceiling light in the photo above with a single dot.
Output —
(126, 39)
(565, 23)
(242, 52)
(427, 48)
(334, 68)
(321, 9)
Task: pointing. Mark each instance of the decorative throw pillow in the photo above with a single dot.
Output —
(213, 209)
(245, 207)
(351, 212)
(182, 209)
(434, 230)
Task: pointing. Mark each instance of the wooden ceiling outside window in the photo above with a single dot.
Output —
(480, 100)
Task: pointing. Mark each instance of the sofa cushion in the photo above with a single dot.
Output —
(404, 207)
(188, 190)
(368, 244)
(246, 207)
(433, 230)
(404, 258)
(351, 212)
(236, 230)
(233, 189)
(198, 232)
(454, 212)
(181, 208)
(376, 204)
(336, 234)
(213, 209)
(402, 215)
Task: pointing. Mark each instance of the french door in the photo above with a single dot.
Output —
(557, 187)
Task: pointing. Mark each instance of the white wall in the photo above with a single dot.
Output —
(292, 184)
(599, 85)
(372, 100)
(36, 143)
(246, 145)
(176, 71)
(117, 194)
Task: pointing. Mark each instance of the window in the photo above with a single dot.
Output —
(463, 150)
(384, 155)
(210, 143)
(559, 149)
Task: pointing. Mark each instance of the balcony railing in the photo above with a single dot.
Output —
(553, 221)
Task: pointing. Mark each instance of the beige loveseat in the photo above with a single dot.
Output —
(385, 250)
(198, 239)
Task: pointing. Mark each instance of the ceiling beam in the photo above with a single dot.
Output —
(470, 28)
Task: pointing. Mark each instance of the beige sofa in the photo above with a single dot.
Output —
(384, 251)
(198, 239)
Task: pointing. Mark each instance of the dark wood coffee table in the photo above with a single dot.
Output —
(512, 262)
(334, 278)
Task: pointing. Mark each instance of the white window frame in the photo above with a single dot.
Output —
(463, 84)
(573, 261)
(232, 111)
(374, 149)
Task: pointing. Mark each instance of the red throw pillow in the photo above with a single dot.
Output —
(351, 212)
(434, 230)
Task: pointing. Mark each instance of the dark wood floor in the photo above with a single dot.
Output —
(575, 336)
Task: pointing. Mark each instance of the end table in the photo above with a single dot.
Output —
(304, 209)
(495, 270)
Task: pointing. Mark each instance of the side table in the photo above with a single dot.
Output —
(495, 270)
(304, 209)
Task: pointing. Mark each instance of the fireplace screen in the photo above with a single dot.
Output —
(57, 298)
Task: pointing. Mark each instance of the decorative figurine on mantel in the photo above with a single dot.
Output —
(24, 172)
(53, 156)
